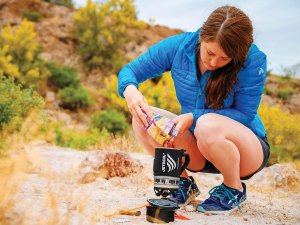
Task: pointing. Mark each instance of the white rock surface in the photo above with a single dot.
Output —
(52, 195)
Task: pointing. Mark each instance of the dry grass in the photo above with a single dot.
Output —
(124, 143)
(26, 201)
(11, 177)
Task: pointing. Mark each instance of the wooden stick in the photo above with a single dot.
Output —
(130, 212)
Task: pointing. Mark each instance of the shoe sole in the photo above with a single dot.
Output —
(190, 198)
(224, 212)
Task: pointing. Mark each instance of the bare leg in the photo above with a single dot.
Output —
(232, 147)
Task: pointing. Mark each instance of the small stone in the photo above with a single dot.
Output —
(245, 218)
(189, 208)
(121, 220)
(50, 96)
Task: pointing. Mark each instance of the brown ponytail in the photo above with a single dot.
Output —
(232, 29)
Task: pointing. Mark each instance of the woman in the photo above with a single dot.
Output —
(219, 77)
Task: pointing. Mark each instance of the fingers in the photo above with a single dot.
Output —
(142, 116)
(176, 120)
(178, 126)
(137, 118)
(145, 106)
(138, 106)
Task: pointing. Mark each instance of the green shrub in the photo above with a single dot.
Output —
(101, 31)
(74, 98)
(268, 91)
(15, 102)
(77, 140)
(32, 16)
(110, 119)
(285, 93)
(67, 3)
(63, 76)
(6, 114)
(15, 106)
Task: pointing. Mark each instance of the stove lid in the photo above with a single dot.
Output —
(163, 203)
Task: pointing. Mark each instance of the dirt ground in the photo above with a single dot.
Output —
(51, 194)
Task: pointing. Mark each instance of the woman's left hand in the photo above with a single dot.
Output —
(183, 122)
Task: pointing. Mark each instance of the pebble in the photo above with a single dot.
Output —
(121, 220)
(189, 208)
(245, 218)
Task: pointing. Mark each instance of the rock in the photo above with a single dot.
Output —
(54, 115)
(189, 208)
(278, 176)
(295, 103)
(269, 100)
(50, 96)
(107, 165)
(245, 218)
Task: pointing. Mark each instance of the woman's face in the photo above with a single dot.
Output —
(212, 55)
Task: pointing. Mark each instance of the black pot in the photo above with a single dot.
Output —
(161, 211)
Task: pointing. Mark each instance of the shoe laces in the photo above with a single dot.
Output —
(222, 191)
(180, 192)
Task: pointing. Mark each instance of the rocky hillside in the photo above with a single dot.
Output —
(55, 30)
(55, 33)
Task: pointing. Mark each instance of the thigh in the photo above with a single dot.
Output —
(250, 149)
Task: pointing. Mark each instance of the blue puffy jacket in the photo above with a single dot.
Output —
(177, 54)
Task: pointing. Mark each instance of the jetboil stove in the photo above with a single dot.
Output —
(167, 170)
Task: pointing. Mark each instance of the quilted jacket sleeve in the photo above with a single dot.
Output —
(157, 60)
(247, 92)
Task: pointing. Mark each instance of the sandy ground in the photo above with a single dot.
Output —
(52, 194)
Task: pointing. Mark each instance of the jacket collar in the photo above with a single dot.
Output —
(190, 45)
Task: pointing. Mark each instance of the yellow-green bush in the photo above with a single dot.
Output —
(283, 133)
(15, 105)
(102, 30)
(19, 55)
(6, 64)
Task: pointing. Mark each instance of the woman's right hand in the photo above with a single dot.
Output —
(136, 102)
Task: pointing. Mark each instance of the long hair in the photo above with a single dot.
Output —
(232, 29)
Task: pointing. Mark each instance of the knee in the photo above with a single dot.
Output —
(207, 130)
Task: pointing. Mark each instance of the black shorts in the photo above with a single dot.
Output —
(210, 168)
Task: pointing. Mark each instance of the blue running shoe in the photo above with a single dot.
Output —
(186, 193)
(223, 200)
